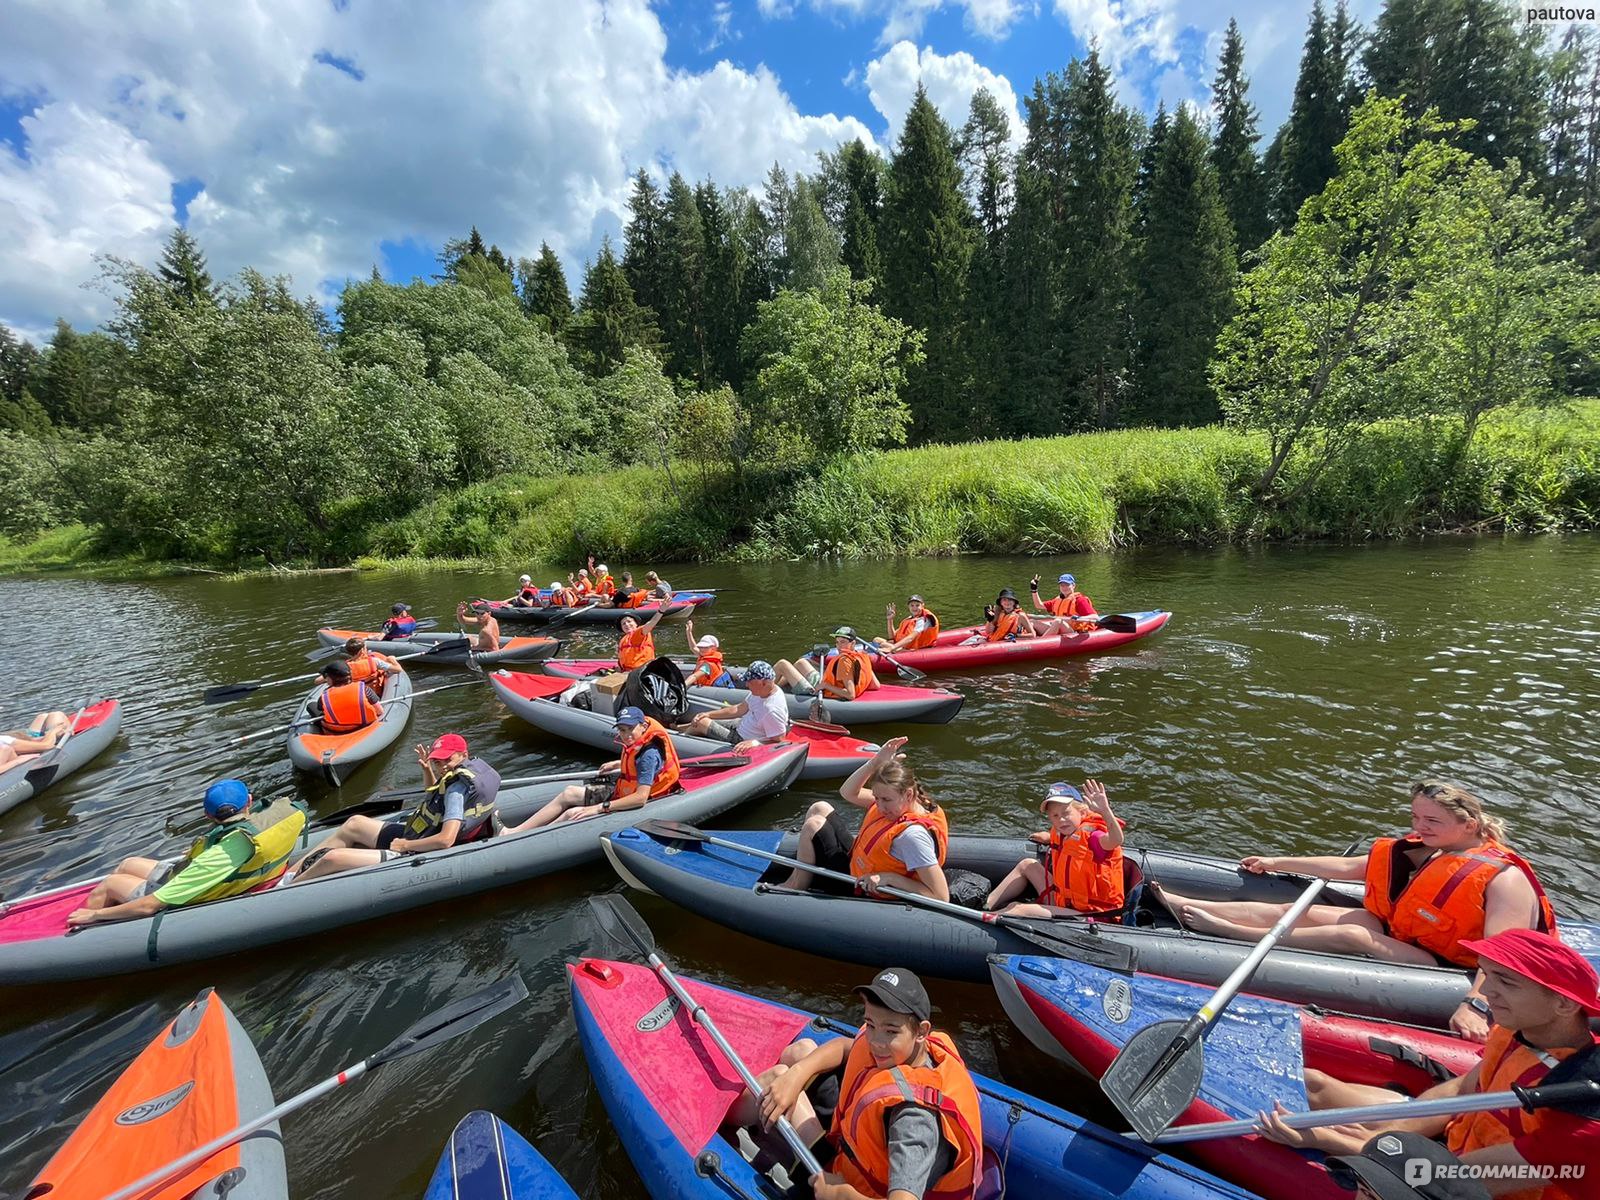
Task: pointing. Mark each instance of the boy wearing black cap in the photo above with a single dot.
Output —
(905, 1111)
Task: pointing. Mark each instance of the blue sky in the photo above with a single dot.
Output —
(316, 139)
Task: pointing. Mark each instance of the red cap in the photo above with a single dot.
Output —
(1544, 959)
(447, 744)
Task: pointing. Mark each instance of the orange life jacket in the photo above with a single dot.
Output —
(582, 588)
(865, 680)
(1441, 904)
(368, 665)
(634, 599)
(655, 734)
(1075, 605)
(1508, 1060)
(868, 1093)
(346, 708)
(605, 585)
(1005, 625)
(707, 668)
(562, 598)
(635, 649)
(871, 852)
(1076, 879)
(926, 638)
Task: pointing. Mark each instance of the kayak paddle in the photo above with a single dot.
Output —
(42, 774)
(1157, 1073)
(1116, 622)
(434, 1029)
(1101, 952)
(623, 925)
(1579, 1093)
(261, 733)
(237, 691)
(912, 675)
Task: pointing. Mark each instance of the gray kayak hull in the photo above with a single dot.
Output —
(335, 759)
(39, 771)
(454, 651)
(592, 614)
(723, 886)
(280, 914)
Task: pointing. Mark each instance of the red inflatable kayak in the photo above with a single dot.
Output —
(1257, 1052)
(948, 654)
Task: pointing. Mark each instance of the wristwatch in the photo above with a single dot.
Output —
(1478, 1005)
(605, 806)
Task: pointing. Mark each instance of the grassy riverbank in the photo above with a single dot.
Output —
(1523, 472)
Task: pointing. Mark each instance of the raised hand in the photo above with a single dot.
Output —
(1094, 794)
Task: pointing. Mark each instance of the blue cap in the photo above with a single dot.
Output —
(1060, 792)
(226, 798)
(1066, 579)
(760, 670)
(630, 716)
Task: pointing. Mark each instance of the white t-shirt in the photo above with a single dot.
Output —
(915, 848)
(764, 717)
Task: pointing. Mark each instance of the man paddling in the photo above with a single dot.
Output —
(1541, 994)
(457, 807)
(842, 675)
(242, 850)
(646, 770)
(905, 1113)
(484, 622)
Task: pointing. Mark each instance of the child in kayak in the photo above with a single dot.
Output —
(39, 735)
(896, 1104)
(1003, 621)
(1082, 873)
(1071, 609)
(901, 842)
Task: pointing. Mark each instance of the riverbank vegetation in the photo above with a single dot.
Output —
(1374, 327)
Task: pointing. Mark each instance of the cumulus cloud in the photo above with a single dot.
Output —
(905, 18)
(950, 80)
(320, 132)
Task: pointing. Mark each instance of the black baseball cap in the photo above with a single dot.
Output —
(898, 990)
(1405, 1166)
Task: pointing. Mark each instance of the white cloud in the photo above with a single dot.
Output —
(524, 119)
(1124, 28)
(904, 18)
(950, 80)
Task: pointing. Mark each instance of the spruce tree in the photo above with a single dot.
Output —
(643, 259)
(1149, 158)
(810, 244)
(1318, 115)
(609, 320)
(1185, 281)
(544, 290)
(927, 243)
(863, 210)
(777, 196)
(725, 283)
(1102, 165)
(1233, 152)
(985, 162)
(681, 315)
(183, 268)
(1027, 402)
(1570, 70)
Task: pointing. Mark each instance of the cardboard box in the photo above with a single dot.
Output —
(611, 685)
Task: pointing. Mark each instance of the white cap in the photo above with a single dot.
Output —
(555, 585)
(707, 641)
(583, 570)
(526, 579)
(602, 567)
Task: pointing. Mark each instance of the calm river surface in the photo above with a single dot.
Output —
(1284, 709)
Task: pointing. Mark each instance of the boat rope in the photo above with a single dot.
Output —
(708, 1165)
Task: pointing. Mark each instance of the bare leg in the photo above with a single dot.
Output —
(746, 1110)
(343, 858)
(1324, 927)
(806, 852)
(116, 887)
(570, 797)
(355, 832)
(799, 679)
(699, 724)
(1028, 871)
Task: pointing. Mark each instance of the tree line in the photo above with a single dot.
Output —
(1418, 238)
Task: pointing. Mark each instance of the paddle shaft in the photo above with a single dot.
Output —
(53, 755)
(301, 724)
(697, 1013)
(1554, 1095)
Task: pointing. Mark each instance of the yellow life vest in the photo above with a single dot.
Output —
(270, 838)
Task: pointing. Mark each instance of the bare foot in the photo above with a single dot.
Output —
(1203, 920)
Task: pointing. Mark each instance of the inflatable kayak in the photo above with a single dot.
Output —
(599, 614)
(92, 731)
(445, 649)
(199, 1078)
(576, 711)
(668, 1090)
(335, 756)
(35, 945)
(681, 596)
(1257, 1052)
(881, 706)
(726, 886)
(488, 1160)
(947, 654)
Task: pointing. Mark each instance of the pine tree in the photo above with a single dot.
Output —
(927, 243)
(609, 320)
(1233, 153)
(681, 315)
(183, 268)
(1185, 281)
(983, 150)
(643, 259)
(863, 210)
(1098, 227)
(725, 283)
(544, 290)
(1318, 116)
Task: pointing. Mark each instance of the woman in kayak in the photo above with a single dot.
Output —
(1452, 879)
(1082, 872)
(38, 735)
(901, 842)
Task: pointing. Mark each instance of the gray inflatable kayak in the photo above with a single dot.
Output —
(726, 886)
(883, 705)
(35, 946)
(445, 649)
(595, 614)
(335, 757)
(574, 710)
(93, 729)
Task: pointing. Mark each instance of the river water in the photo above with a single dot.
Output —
(1285, 708)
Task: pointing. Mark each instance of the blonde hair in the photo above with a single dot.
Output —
(1461, 804)
(898, 774)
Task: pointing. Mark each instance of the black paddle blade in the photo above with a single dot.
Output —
(324, 654)
(234, 691)
(670, 831)
(1106, 953)
(454, 1019)
(1150, 1086)
(622, 924)
(1119, 623)
(42, 776)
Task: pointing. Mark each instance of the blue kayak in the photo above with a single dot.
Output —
(668, 1089)
(488, 1160)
